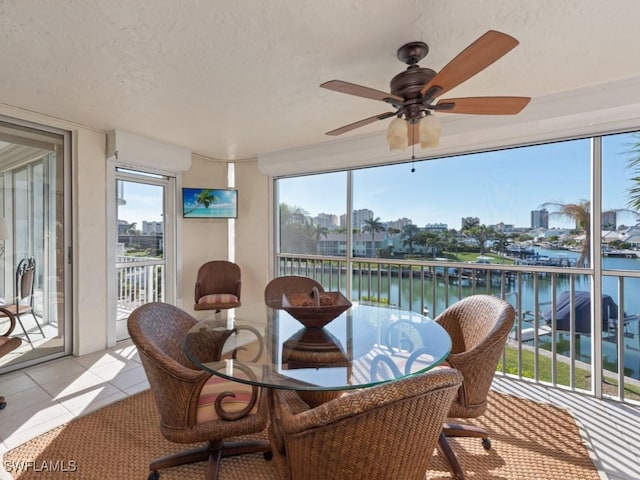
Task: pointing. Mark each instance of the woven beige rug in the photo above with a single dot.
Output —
(530, 441)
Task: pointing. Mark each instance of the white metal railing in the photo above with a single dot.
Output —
(140, 280)
(541, 348)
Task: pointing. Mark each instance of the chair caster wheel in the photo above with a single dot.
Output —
(154, 476)
(486, 443)
(268, 456)
(2, 405)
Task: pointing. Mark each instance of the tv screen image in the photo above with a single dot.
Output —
(209, 203)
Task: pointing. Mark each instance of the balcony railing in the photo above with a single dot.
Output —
(542, 348)
(139, 281)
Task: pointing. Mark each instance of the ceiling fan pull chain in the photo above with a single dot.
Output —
(413, 158)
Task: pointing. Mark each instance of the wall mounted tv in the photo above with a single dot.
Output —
(209, 203)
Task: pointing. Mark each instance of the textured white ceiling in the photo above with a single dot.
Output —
(232, 79)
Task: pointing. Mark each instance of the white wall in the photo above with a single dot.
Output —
(89, 242)
(202, 239)
(252, 230)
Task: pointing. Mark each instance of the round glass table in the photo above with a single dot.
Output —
(364, 346)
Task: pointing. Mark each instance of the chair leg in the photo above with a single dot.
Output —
(38, 324)
(454, 465)
(181, 458)
(212, 452)
(23, 329)
(232, 449)
(213, 465)
(460, 430)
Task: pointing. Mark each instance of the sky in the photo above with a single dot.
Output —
(143, 202)
(502, 186)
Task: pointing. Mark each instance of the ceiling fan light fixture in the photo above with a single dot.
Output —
(397, 135)
(429, 130)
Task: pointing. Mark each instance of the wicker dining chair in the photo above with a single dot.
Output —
(375, 433)
(288, 284)
(193, 405)
(478, 326)
(218, 284)
(7, 342)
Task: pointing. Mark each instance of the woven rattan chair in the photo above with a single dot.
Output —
(380, 432)
(217, 286)
(7, 342)
(288, 284)
(189, 400)
(478, 326)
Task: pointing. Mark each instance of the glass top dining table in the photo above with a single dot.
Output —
(364, 346)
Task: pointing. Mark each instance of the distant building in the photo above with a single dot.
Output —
(469, 222)
(540, 218)
(328, 220)
(152, 228)
(398, 224)
(503, 227)
(436, 227)
(609, 220)
(360, 216)
(123, 227)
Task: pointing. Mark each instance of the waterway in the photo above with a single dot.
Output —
(399, 293)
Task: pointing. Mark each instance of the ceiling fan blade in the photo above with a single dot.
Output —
(476, 57)
(483, 105)
(360, 123)
(360, 91)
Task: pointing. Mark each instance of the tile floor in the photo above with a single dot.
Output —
(54, 393)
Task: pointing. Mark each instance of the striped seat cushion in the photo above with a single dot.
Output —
(214, 387)
(218, 298)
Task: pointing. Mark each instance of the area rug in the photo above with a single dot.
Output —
(530, 441)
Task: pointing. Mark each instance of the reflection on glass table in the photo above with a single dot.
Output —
(364, 346)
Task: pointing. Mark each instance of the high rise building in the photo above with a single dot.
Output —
(152, 228)
(540, 218)
(328, 220)
(360, 216)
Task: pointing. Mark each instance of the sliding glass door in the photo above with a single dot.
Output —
(34, 167)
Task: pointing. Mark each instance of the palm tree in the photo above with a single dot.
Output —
(633, 163)
(431, 240)
(319, 231)
(581, 213)
(130, 228)
(409, 233)
(480, 233)
(292, 214)
(373, 225)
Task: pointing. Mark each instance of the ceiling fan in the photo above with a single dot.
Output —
(414, 90)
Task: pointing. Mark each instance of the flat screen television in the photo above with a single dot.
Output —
(209, 203)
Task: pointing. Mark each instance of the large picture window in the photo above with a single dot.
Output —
(551, 228)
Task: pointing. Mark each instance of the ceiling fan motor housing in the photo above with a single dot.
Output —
(408, 85)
